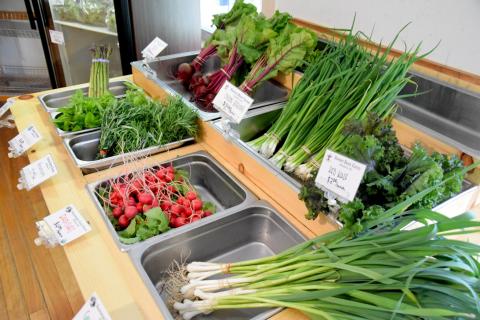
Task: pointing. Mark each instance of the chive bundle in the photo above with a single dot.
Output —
(345, 81)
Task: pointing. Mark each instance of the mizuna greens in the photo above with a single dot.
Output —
(385, 272)
(137, 122)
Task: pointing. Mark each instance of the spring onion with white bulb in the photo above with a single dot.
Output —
(386, 272)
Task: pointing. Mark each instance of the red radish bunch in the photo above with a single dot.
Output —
(132, 195)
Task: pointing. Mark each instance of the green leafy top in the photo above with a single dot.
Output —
(249, 37)
(239, 9)
(284, 53)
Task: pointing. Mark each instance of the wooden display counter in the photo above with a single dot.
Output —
(98, 265)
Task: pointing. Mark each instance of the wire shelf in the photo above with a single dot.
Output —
(17, 29)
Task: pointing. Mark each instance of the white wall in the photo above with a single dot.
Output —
(455, 23)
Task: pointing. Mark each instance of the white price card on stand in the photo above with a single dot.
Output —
(6, 106)
(154, 48)
(57, 2)
(38, 172)
(232, 102)
(56, 37)
(93, 309)
(67, 224)
(24, 141)
(340, 175)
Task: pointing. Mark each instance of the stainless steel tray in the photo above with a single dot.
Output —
(162, 71)
(254, 232)
(83, 149)
(258, 121)
(51, 102)
(210, 180)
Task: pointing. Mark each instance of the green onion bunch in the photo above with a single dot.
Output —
(391, 270)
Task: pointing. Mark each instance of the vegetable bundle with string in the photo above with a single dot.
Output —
(354, 81)
(386, 272)
(99, 72)
(137, 122)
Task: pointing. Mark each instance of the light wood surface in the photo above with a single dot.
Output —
(35, 283)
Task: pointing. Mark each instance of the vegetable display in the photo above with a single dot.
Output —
(386, 272)
(251, 48)
(137, 122)
(392, 175)
(149, 202)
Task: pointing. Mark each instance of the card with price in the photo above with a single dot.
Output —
(340, 175)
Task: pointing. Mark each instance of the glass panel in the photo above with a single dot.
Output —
(22, 63)
(85, 23)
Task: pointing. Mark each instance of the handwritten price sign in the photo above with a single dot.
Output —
(340, 175)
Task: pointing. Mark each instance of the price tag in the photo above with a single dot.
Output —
(6, 106)
(37, 172)
(232, 102)
(67, 224)
(154, 48)
(340, 175)
(57, 2)
(24, 141)
(93, 309)
(56, 37)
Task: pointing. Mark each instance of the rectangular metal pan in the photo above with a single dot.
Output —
(210, 180)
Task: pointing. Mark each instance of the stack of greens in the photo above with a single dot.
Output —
(82, 112)
(386, 272)
(344, 81)
(392, 175)
(137, 122)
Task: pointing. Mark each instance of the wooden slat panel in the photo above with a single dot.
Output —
(452, 75)
(13, 15)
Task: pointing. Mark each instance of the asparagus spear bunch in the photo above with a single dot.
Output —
(99, 71)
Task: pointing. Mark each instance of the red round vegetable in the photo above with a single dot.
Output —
(131, 212)
(145, 198)
(123, 221)
(197, 204)
(117, 212)
(191, 195)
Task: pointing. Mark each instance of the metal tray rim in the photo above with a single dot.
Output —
(85, 85)
(249, 198)
(115, 159)
(137, 253)
(206, 116)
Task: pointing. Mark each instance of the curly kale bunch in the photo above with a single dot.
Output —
(391, 177)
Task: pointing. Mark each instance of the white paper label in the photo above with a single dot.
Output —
(340, 175)
(24, 140)
(57, 2)
(38, 172)
(56, 37)
(67, 224)
(154, 48)
(232, 102)
(93, 309)
(6, 106)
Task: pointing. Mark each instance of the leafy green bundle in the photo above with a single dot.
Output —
(82, 112)
(391, 177)
(137, 122)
